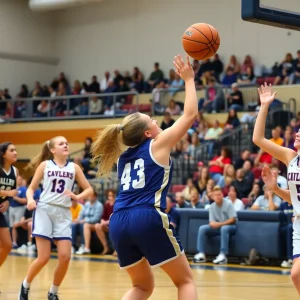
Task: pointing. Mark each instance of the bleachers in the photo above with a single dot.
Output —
(255, 229)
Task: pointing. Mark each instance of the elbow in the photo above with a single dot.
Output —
(91, 192)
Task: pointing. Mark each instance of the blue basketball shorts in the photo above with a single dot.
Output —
(143, 233)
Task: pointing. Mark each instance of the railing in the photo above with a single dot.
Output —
(69, 107)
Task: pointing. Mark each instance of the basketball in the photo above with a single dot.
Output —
(201, 41)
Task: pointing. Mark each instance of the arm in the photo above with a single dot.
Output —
(272, 205)
(228, 222)
(285, 155)
(168, 138)
(11, 193)
(37, 177)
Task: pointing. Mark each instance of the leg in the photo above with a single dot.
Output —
(226, 231)
(75, 228)
(203, 231)
(44, 248)
(142, 282)
(5, 244)
(64, 255)
(289, 241)
(87, 233)
(15, 233)
(29, 228)
(101, 229)
(180, 273)
(295, 274)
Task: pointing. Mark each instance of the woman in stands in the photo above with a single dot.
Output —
(8, 189)
(52, 216)
(292, 160)
(139, 227)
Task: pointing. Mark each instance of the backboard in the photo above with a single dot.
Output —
(284, 14)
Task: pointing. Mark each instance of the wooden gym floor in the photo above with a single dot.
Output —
(99, 277)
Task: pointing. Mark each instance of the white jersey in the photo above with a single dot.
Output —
(56, 181)
(293, 177)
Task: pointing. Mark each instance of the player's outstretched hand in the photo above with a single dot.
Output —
(183, 69)
(31, 205)
(4, 206)
(71, 195)
(266, 94)
(269, 178)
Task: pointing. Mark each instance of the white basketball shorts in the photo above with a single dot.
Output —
(52, 222)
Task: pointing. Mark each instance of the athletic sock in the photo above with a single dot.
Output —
(54, 289)
(26, 284)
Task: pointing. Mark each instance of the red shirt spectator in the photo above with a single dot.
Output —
(219, 168)
(108, 210)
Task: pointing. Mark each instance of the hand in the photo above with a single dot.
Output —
(184, 70)
(71, 195)
(270, 195)
(31, 204)
(4, 206)
(215, 225)
(266, 94)
(269, 178)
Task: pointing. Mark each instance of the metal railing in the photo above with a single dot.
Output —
(69, 107)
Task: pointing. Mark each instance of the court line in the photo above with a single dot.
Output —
(193, 266)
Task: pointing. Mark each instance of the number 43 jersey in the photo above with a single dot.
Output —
(55, 181)
(143, 181)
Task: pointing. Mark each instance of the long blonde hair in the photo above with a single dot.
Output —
(45, 154)
(111, 141)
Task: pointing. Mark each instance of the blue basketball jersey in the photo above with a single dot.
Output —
(143, 181)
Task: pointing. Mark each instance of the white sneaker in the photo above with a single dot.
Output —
(220, 259)
(23, 248)
(83, 251)
(200, 258)
(287, 264)
(31, 248)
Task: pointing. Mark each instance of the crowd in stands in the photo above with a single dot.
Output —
(210, 74)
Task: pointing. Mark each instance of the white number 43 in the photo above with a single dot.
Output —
(126, 178)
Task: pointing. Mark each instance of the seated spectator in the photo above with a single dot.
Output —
(155, 77)
(195, 199)
(188, 188)
(229, 171)
(214, 98)
(281, 181)
(176, 85)
(233, 64)
(95, 106)
(247, 167)
(90, 215)
(276, 136)
(217, 66)
(211, 137)
(137, 80)
(295, 76)
(232, 120)
(217, 164)
(173, 214)
(247, 77)
(235, 98)
(227, 184)
(239, 163)
(193, 147)
(241, 184)
(105, 81)
(248, 62)
(254, 194)
(232, 196)
(157, 97)
(207, 194)
(103, 227)
(75, 210)
(262, 159)
(230, 77)
(202, 181)
(173, 109)
(288, 140)
(268, 201)
(285, 70)
(222, 221)
(167, 121)
(181, 202)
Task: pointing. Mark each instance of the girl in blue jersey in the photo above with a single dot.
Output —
(292, 160)
(52, 219)
(8, 183)
(139, 228)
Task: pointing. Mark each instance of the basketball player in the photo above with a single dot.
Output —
(52, 216)
(139, 228)
(8, 184)
(292, 160)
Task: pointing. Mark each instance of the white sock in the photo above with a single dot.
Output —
(54, 289)
(26, 284)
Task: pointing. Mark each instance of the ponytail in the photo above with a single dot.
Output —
(107, 148)
(45, 154)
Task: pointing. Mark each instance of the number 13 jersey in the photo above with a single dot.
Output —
(55, 181)
(143, 181)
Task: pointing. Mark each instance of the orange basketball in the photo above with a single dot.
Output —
(201, 41)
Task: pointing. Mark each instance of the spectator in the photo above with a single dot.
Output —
(268, 201)
(173, 214)
(245, 155)
(207, 195)
(285, 70)
(248, 62)
(254, 194)
(247, 77)
(103, 227)
(202, 181)
(295, 76)
(138, 80)
(95, 106)
(167, 121)
(176, 85)
(105, 81)
(247, 167)
(229, 171)
(217, 164)
(232, 120)
(222, 221)
(188, 189)
(281, 181)
(241, 184)
(288, 140)
(232, 196)
(195, 200)
(89, 216)
(155, 77)
(181, 202)
(230, 77)
(75, 210)
(235, 99)
(217, 66)
(173, 109)
(211, 137)
(214, 98)
(233, 64)
(276, 136)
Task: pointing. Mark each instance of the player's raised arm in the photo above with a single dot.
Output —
(169, 137)
(283, 154)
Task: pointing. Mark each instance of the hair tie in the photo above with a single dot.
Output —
(120, 128)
